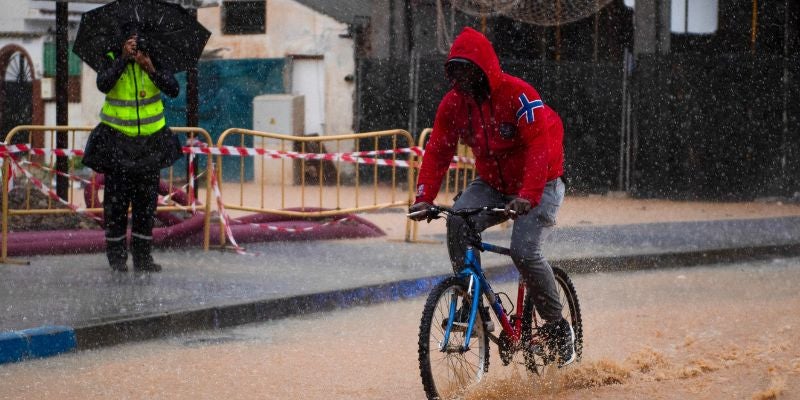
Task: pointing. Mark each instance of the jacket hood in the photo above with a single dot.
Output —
(475, 47)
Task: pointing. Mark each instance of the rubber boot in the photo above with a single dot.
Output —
(142, 259)
(117, 254)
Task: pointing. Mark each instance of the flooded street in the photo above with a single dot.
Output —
(724, 331)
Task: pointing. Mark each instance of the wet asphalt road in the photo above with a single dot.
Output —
(721, 331)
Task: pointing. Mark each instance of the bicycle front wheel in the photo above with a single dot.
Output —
(447, 371)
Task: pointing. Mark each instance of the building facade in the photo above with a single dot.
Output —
(318, 52)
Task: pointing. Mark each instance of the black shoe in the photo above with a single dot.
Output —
(149, 266)
(560, 339)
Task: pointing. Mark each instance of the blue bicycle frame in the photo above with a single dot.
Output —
(477, 280)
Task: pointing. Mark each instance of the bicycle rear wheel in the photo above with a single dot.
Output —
(535, 356)
(447, 372)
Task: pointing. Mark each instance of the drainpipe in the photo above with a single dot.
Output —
(192, 106)
(357, 30)
(413, 69)
(62, 95)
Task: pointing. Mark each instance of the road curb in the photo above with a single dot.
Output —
(147, 327)
(150, 327)
(44, 341)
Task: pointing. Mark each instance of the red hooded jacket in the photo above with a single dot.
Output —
(515, 137)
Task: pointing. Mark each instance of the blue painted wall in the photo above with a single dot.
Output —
(226, 91)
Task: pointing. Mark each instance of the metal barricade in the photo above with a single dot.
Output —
(38, 167)
(314, 176)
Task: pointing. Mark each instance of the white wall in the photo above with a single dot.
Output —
(12, 19)
(92, 98)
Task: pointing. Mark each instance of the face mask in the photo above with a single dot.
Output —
(466, 78)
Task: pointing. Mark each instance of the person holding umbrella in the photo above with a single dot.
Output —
(130, 146)
(135, 46)
(133, 108)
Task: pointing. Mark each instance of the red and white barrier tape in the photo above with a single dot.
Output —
(192, 142)
(192, 202)
(162, 200)
(250, 151)
(361, 157)
(5, 150)
(71, 177)
(224, 219)
(52, 194)
(278, 154)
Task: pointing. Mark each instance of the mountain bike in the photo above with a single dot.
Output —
(456, 327)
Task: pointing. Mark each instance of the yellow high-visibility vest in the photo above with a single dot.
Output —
(134, 106)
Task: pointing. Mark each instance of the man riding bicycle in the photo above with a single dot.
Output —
(517, 143)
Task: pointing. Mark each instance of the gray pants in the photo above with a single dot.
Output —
(526, 238)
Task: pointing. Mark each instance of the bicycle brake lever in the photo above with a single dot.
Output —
(503, 210)
(416, 213)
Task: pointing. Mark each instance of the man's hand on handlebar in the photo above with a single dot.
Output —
(420, 211)
(518, 206)
(426, 211)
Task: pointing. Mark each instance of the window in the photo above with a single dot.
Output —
(697, 17)
(244, 17)
(50, 60)
(74, 67)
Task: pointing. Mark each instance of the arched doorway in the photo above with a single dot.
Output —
(20, 98)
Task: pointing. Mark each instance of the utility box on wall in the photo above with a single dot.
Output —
(278, 113)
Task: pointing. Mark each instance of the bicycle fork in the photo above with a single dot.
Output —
(476, 286)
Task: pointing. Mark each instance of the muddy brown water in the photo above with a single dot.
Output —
(716, 332)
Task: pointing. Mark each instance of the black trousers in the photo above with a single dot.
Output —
(139, 190)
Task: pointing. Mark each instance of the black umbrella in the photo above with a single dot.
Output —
(167, 32)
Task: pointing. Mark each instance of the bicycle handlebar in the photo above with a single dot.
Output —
(434, 211)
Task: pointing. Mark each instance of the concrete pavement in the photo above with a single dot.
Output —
(76, 302)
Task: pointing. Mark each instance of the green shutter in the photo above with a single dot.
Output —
(50, 60)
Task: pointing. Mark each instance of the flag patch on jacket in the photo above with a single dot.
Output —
(527, 107)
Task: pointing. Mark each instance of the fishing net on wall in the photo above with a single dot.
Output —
(553, 12)
(536, 12)
(483, 8)
(446, 10)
